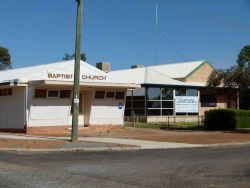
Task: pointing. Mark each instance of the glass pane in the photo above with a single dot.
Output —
(139, 94)
(154, 104)
(139, 112)
(6, 92)
(140, 98)
(129, 93)
(40, 93)
(110, 95)
(53, 93)
(128, 104)
(65, 94)
(180, 92)
(120, 95)
(167, 112)
(154, 93)
(192, 92)
(127, 112)
(139, 104)
(167, 94)
(153, 112)
(99, 94)
(167, 104)
(208, 101)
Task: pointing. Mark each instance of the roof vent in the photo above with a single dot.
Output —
(137, 66)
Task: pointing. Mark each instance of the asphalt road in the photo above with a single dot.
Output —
(190, 167)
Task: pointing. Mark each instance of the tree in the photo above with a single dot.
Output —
(5, 59)
(237, 76)
(69, 57)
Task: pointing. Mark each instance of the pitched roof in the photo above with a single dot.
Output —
(176, 70)
(161, 74)
(147, 75)
(41, 72)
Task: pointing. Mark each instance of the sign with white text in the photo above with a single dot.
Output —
(187, 104)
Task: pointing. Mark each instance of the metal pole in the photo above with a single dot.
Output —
(75, 102)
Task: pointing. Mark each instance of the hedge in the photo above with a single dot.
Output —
(220, 119)
(242, 118)
(226, 119)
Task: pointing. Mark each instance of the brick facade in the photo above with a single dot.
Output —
(201, 74)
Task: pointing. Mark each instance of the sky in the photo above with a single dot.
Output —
(123, 32)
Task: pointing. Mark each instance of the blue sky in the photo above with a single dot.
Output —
(123, 31)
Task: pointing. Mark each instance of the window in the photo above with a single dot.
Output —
(64, 94)
(154, 93)
(154, 104)
(120, 95)
(180, 92)
(138, 104)
(5, 92)
(166, 112)
(192, 92)
(135, 101)
(40, 93)
(167, 104)
(167, 94)
(53, 93)
(110, 95)
(154, 112)
(208, 101)
(99, 94)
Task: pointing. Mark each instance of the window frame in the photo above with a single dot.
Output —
(58, 95)
(104, 94)
(34, 95)
(70, 94)
(6, 92)
(123, 93)
(106, 97)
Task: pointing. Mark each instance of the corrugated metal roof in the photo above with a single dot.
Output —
(160, 74)
(177, 70)
(40, 72)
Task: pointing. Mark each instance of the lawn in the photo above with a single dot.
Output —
(180, 125)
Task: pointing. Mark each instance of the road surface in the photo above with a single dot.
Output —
(189, 167)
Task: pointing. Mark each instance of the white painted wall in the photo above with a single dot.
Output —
(107, 112)
(12, 109)
(49, 112)
(56, 112)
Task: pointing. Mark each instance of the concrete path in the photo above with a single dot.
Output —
(142, 144)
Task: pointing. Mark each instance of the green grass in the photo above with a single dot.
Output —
(243, 122)
(165, 125)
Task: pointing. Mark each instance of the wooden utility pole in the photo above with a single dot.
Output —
(75, 102)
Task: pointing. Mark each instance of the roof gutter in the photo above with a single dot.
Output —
(87, 84)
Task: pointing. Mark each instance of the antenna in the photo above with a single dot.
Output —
(156, 32)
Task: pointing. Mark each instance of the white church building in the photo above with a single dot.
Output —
(40, 96)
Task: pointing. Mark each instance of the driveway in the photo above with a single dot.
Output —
(189, 167)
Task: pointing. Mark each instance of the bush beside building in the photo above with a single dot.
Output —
(226, 119)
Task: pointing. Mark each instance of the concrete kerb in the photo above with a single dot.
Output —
(70, 149)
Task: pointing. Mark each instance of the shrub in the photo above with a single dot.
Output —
(243, 118)
(220, 119)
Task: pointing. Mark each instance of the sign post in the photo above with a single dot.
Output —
(75, 102)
